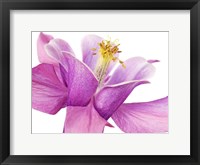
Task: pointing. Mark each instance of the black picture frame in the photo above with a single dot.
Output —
(7, 5)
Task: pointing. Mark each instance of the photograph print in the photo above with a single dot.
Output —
(100, 82)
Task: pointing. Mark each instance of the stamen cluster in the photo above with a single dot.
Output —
(107, 52)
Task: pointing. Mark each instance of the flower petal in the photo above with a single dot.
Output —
(58, 55)
(81, 82)
(59, 45)
(83, 120)
(147, 117)
(137, 68)
(90, 42)
(44, 39)
(109, 98)
(49, 95)
(58, 73)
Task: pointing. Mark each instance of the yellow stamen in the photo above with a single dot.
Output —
(122, 63)
(93, 49)
(107, 52)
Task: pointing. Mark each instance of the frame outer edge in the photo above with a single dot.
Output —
(1, 82)
(5, 80)
(195, 81)
(198, 38)
(194, 60)
(4, 97)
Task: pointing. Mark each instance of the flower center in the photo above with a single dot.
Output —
(107, 53)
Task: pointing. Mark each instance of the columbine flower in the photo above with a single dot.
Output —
(89, 92)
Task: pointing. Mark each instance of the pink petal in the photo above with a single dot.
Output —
(147, 117)
(58, 73)
(83, 120)
(152, 61)
(109, 98)
(59, 45)
(58, 55)
(49, 95)
(44, 39)
(81, 82)
(88, 43)
(137, 68)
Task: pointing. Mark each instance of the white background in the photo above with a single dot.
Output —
(150, 45)
(176, 142)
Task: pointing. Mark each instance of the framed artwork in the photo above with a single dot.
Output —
(102, 56)
(100, 82)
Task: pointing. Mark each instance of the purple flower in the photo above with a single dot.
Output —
(91, 94)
